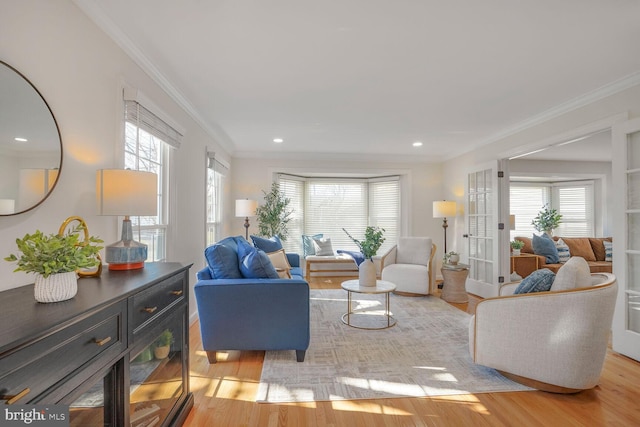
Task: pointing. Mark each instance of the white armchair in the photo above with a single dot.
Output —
(409, 265)
(554, 341)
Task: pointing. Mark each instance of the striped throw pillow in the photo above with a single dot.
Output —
(608, 251)
(563, 251)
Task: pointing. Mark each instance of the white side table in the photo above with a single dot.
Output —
(382, 287)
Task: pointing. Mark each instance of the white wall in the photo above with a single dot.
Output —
(250, 176)
(80, 72)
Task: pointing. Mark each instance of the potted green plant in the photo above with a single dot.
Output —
(516, 245)
(373, 239)
(547, 220)
(452, 258)
(55, 259)
(162, 344)
(274, 215)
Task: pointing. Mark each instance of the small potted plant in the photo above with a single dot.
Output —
(547, 220)
(55, 259)
(163, 344)
(373, 239)
(516, 245)
(452, 258)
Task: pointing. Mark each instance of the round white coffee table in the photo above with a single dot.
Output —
(381, 287)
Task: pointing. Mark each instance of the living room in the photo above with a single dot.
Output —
(81, 71)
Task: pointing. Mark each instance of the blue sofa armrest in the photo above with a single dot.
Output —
(253, 314)
(294, 259)
(204, 274)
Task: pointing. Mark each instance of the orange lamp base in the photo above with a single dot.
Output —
(127, 266)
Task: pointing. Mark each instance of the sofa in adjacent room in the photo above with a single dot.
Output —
(245, 304)
(592, 249)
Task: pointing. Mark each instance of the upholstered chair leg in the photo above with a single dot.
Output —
(211, 355)
(300, 355)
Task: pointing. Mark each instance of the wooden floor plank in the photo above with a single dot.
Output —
(224, 396)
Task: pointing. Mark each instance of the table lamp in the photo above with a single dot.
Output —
(444, 209)
(246, 208)
(124, 193)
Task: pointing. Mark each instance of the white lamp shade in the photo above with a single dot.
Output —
(246, 207)
(444, 208)
(7, 206)
(126, 192)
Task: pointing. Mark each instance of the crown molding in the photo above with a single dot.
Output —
(338, 157)
(557, 111)
(97, 15)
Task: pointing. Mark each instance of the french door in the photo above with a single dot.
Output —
(486, 239)
(626, 237)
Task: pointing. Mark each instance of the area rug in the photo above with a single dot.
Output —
(425, 354)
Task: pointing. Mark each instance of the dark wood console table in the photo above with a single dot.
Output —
(100, 352)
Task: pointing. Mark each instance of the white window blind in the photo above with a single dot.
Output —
(526, 200)
(326, 205)
(152, 124)
(575, 203)
(384, 209)
(293, 189)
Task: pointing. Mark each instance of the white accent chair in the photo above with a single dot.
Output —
(554, 341)
(409, 265)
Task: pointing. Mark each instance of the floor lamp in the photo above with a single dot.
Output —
(246, 208)
(444, 209)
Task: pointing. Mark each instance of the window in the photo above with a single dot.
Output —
(573, 200)
(217, 171)
(327, 205)
(147, 144)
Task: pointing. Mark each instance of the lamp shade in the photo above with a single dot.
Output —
(34, 185)
(126, 192)
(246, 207)
(444, 208)
(512, 222)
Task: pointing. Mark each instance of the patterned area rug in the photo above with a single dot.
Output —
(425, 354)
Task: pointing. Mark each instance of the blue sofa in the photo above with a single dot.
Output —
(250, 313)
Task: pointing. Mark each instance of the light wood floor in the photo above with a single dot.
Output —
(224, 396)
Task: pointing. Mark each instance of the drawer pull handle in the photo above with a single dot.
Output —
(13, 399)
(150, 309)
(102, 341)
(176, 293)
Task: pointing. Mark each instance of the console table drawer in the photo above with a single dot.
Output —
(151, 303)
(34, 368)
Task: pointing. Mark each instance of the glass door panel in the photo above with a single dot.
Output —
(156, 381)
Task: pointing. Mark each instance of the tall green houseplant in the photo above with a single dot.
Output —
(274, 215)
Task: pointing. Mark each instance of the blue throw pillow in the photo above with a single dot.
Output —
(222, 259)
(268, 245)
(545, 246)
(357, 256)
(307, 244)
(254, 263)
(538, 281)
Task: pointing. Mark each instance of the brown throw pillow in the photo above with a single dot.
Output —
(598, 246)
(580, 246)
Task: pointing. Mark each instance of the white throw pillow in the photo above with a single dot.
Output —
(563, 251)
(575, 273)
(323, 246)
(280, 263)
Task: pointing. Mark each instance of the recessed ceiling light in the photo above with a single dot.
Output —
(278, 140)
(417, 144)
(17, 138)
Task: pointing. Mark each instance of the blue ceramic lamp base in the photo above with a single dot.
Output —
(126, 254)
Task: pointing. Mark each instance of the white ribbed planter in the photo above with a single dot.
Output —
(367, 273)
(56, 287)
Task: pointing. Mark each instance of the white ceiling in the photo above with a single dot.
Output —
(372, 76)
